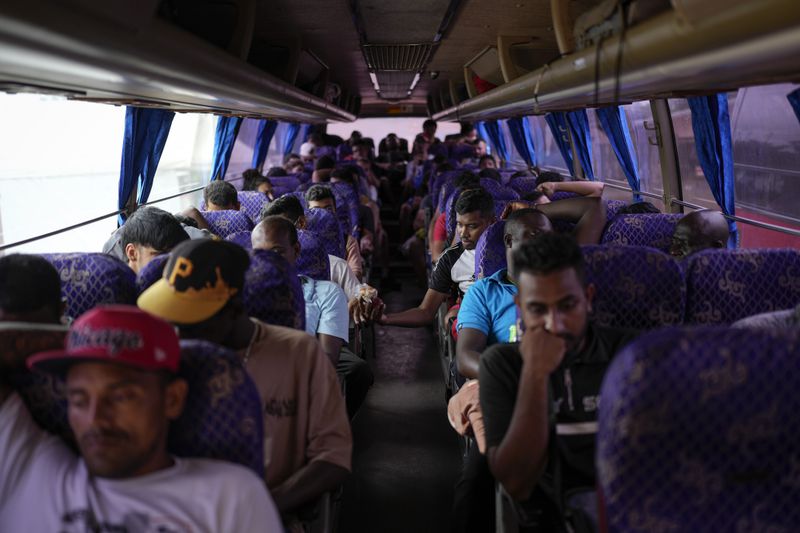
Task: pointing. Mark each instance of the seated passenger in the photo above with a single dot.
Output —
(455, 270)
(361, 309)
(254, 181)
(326, 311)
(782, 320)
(699, 230)
(428, 135)
(308, 148)
(559, 346)
(148, 232)
(487, 161)
(438, 230)
(221, 196)
(321, 197)
(119, 366)
(30, 290)
(638, 208)
(323, 169)
(308, 442)
(293, 164)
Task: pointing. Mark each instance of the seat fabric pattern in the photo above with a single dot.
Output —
(300, 195)
(313, 261)
(223, 417)
(272, 291)
(283, 184)
(253, 202)
(152, 272)
(523, 185)
(698, 431)
(346, 208)
(324, 225)
(242, 238)
(91, 279)
(490, 251)
(651, 229)
(612, 206)
(636, 287)
(723, 286)
(224, 223)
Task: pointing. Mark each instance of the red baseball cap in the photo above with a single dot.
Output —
(119, 334)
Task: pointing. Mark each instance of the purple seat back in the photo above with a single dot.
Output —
(698, 431)
(91, 279)
(346, 207)
(501, 194)
(283, 184)
(252, 203)
(324, 225)
(223, 416)
(723, 286)
(313, 261)
(272, 291)
(224, 223)
(636, 287)
(439, 188)
(612, 206)
(490, 251)
(299, 195)
(152, 272)
(461, 151)
(323, 151)
(242, 238)
(523, 185)
(437, 149)
(654, 230)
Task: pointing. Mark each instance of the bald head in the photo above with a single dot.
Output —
(277, 234)
(697, 231)
(520, 227)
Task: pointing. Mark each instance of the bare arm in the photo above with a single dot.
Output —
(331, 346)
(308, 484)
(471, 342)
(422, 315)
(589, 214)
(583, 187)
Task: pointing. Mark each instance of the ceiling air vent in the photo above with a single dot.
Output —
(412, 57)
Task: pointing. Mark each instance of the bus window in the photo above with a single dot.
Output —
(514, 159)
(547, 154)
(185, 162)
(378, 128)
(60, 166)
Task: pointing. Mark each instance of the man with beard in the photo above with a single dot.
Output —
(547, 386)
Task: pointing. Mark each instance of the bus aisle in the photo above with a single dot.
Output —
(405, 455)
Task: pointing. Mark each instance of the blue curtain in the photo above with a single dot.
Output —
(497, 139)
(224, 139)
(522, 137)
(582, 139)
(146, 132)
(558, 126)
(615, 125)
(794, 99)
(266, 130)
(291, 136)
(712, 137)
(483, 133)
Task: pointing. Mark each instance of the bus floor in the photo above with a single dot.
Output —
(406, 457)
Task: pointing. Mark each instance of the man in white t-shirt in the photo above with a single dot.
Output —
(119, 366)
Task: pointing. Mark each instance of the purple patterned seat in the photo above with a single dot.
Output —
(284, 184)
(654, 230)
(324, 224)
(152, 272)
(440, 189)
(223, 223)
(612, 206)
(636, 287)
(252, 203)
(343, 151)
(723, 286)
(562, 195)
(303, 187)
(242, 238)
(437, 149)
(523, 185)
(223, 416)
(313, 261)
(346, 207)
(501, 194)
(90, 279)
(323, 151)
(272, 291)
(461, 151)
(490, 251)
(299, 195)
(698, 431)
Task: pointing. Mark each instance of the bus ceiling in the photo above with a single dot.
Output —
(316, 61)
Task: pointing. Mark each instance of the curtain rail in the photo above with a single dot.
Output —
(98, 219)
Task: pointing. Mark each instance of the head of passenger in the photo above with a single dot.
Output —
(537, 198)
(466, 180)
(315, 139)
(362, 149)
(221, 196)
(321, 197)
(346, 174)
(698, 231)
(553, 293)
(355, 136)
(149, 232)
(323, 168)
(480, 148)
(295, 167)
(201, 290)
(429, 129)
(30, 290)
(474, 213)
(490, 173)
(276, 172)
(291, 160)
(487, 161)
(548, 176)
(468, 132)
(521, 226)
(120, 365)
(288, 207)
(638, 208)
(277, 234)
(249, 179)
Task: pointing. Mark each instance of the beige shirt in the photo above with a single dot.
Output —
(305, 418)
(354, 259)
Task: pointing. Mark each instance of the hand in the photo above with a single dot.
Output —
(547, 188)
(513, 206)
(543, 350)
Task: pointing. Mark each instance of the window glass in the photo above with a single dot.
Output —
(185, 162)
(242, 154)
(377, 128)
(59, 165)
(547, 154)
(514, 159)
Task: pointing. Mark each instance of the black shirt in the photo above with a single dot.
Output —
(455, 269)
(575, 390)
